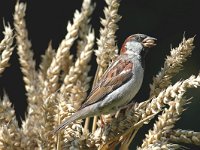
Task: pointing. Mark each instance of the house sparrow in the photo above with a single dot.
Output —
(120, 82)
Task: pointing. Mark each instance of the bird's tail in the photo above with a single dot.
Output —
(77, 115)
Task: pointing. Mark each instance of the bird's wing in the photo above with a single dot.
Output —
(119, 72)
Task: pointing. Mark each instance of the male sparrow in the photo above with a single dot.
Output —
(120, 82)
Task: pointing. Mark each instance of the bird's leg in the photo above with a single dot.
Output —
(102, 121)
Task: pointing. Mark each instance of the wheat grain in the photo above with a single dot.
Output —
(6, 48)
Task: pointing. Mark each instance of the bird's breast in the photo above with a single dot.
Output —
(125, 93)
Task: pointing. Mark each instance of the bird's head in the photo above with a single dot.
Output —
(137, 44)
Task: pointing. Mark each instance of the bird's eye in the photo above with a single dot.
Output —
(137, 38)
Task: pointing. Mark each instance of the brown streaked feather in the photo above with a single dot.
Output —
(117, 74)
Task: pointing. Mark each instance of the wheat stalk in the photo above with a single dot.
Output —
(184, 136)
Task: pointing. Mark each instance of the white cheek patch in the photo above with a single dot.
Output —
(130, 52)
(133, 47)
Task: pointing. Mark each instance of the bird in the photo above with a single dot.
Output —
(120, 82)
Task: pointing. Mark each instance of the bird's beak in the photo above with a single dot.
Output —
(149, 42)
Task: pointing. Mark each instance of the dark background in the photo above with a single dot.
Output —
(165, 20)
